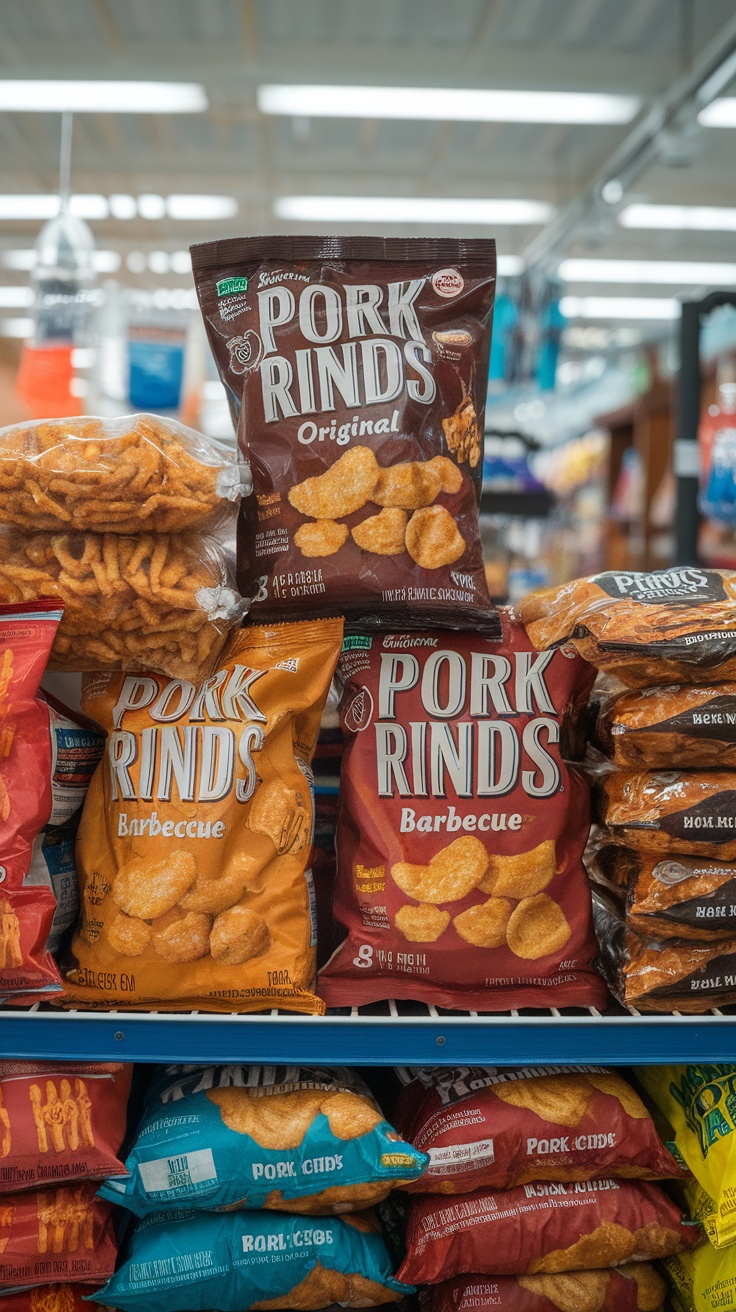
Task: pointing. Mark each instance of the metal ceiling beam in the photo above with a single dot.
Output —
(639, 148)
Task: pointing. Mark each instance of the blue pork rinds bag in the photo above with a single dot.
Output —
(219, 1137)
(194, 1261)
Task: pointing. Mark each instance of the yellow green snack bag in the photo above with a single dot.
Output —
(700, 1104)
(702, 1280)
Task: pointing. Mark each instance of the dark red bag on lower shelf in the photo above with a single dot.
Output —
(542, 1228)
(54, 1234)
(634, 1288)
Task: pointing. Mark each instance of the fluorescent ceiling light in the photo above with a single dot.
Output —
(619, 307)
(102, 97)
(122, 206)
(38, 207)
(507, 266)
(707, 218)
(686, 272)
(180, 261)
(104, 261)
(719, 113)
(16, 297)
(409, 209)
(16, 327)
(446, 103)
(201, 207)
(151, 206)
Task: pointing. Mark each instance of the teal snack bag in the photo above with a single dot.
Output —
(224, 1137)
(194, 1261)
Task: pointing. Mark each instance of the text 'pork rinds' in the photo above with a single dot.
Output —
(140, 472)
(345, 487)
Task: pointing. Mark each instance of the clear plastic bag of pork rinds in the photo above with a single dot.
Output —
(162, 602)
(138, 473)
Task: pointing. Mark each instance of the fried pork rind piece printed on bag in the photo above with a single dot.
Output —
(128, 935)
(281, 1120)
(408, 486)
(153, 602)
(485, 925)
(537, 927)
(462, 433)
(383, 534)
(421, 924)
(559, 1099)
(213, 893)
(452, 873)
(520, 875)
(451, 477)
(128, 475)
(282, 815)
(324, 1288)
(344, 488)
(322, 538)
(433, 538)
(238, 935)
(148, 891)
(181, 935)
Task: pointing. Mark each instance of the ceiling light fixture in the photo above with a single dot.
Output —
(16, 327)
(201, 207)
(703, 218)
(619, 307)
(508, 266)
(38, 207)
(104, 261)
(44, 96)
(410, 209)
(719, 114)
(694, 273)
(16, 297)
(446, 103)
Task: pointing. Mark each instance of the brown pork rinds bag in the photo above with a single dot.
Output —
(654, 974)
(670, 810)
(673, 626)
(658, 726)
(671, 897)
(362, 365)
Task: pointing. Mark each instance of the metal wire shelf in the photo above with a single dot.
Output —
(380, 1035)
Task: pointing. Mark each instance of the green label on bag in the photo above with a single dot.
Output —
(229, 286)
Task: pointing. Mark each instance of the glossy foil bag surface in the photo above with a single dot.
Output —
(633, 1288)
(362, 365)
(460, 828)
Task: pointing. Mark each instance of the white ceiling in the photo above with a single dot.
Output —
(634, 46)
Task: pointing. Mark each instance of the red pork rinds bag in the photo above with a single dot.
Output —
(460, 829)
(634, 1288)
(61, 1233)
(61, 1121)
(27, 631)
(485, 1128)
(542, 1228)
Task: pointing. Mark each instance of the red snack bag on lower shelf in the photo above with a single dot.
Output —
(27, 631)
(63, 1233)
(48, 1298)
(634, 1288)
(460, 828)
(542, 1228)
(61, 1121)
(485, 1128)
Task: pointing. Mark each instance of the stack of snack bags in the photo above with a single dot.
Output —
(61, 1127)
(47, 757)
(250, 1182)
(538, 1195)
(357, 372)
(696, 1106)
(115, 518)
(666, 908)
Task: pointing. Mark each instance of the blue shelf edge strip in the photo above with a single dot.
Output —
(369, 1040)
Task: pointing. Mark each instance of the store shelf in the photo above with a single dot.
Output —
(376, 1036)
(526, 505)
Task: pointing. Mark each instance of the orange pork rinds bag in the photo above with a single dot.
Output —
(195, 837)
